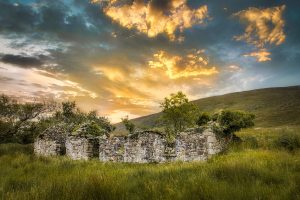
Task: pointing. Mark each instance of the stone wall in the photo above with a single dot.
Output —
(51, 142)
(195, 144)
(48, 147)
(190, 147)
(79, 147)
(142, 147)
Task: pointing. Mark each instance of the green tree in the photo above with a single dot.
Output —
(130, 127)
(203, 118)
(103, 122)
(178, 113)
(233, 121)
(21, 122)
(18, 119)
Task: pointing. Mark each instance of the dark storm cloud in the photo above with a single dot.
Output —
(161, 5)
(22, 61)
(16, 18)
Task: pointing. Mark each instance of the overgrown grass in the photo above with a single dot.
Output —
(250, 170)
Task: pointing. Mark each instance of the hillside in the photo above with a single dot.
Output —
(272, 106)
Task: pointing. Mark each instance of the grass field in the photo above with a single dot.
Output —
(255, 169)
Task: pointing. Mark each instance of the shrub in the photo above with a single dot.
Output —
(288, 141)
(228, 122)
(130, 127)
(89, 128)
(203, 119)
(232, 121)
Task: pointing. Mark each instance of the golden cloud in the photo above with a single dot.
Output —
(137, 90)
(264, 27)
(153, 20)
(261, 55)
(192, 65)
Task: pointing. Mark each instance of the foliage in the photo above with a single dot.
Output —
(233, 121)
(22, 122)
(272, 106)
(288, 140)
(101, 121)
(68, 109)
(130, 127)
(203, 118)
(89, 128)
(18, 120)
(170, 136)
(178, 112)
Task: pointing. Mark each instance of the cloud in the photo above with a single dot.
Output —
(234, 68)
(261, 56)
(155, 17)
(23, 61)
(264, 27)
(33, 80)
(191, 65)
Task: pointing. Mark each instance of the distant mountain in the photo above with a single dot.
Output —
(272, 106)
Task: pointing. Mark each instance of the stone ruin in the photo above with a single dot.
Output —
(51, 142)
(81, 145)
(196, 144)
(141, 147)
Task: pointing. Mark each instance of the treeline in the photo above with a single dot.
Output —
(178, 113)
(22, 122)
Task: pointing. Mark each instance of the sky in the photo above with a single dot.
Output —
(122, 57)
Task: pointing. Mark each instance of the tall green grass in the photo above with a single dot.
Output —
(261, 171)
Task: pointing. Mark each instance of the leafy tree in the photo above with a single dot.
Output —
(232, 121)
(203, 118)
(21, 122)
(178, 112)
(103, 122)
(130, 127)
(17, 117)
(68, 109)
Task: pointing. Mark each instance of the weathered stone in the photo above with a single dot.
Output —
(51, 142)
(191, 147)
(142, 147)
(196, 144)
(78, 147)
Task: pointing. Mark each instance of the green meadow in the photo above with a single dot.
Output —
(265, 166)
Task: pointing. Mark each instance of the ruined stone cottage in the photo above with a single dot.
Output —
(51, 142)
(80, 144)
(194, 144)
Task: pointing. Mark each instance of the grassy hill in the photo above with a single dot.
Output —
(272, 106)
(263, 166)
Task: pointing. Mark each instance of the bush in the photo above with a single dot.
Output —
(203, 119)
(288, 141)
(89, 128)
(232, 121)
(130, 127)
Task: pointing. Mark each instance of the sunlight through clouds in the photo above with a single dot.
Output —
(152, 18)
(264, 27)
(194, 64)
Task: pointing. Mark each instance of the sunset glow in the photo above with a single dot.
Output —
(123, 57)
